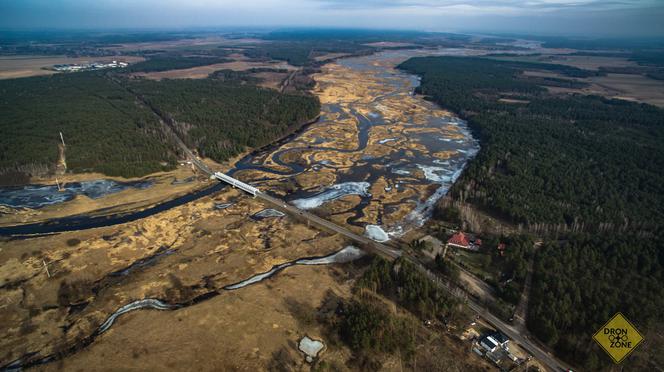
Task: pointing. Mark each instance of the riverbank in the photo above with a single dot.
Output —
(373, 132)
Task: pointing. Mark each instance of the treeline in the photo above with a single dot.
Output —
(107, 130)
(222, 119)
(554, 164)
(510, 265)
(557, 164)
(580, 283)
(300, 53)
(103, 127)
(369, 328)
(165, 63)
(372, 327)
(400, 281)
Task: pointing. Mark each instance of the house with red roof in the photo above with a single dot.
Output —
(460, 240)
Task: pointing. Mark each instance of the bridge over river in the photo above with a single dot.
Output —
(392, 253)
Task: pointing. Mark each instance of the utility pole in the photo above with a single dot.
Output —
(46, 267)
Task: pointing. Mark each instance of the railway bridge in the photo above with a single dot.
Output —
(236, 183)
(391, 253)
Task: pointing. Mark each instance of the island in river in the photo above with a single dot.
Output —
(377, 160)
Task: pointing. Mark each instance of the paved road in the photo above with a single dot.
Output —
(365, 243)
(391, 254)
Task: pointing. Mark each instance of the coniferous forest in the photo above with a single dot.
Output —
(104, 128)
(552, 162)
(108, 129)
(558, 164)
(221, 119)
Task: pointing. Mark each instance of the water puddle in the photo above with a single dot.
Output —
(310, 348)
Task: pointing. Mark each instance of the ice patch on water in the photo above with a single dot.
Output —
(436, 174)
(350, 253)
(220, 206)
(423, 210)
(442, 162)
(258, 277)
(37, 196)
(403, 172)
(386, 140)
(141, 304)
(347, 254)
(332, 193)
(267, 213)
(310, 348)
(375, 232)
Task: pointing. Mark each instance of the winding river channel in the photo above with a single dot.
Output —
(345, 255)
(378, 158)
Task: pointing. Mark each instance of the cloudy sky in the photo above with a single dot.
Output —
(571, 17)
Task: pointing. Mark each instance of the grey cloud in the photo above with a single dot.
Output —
(507, 4)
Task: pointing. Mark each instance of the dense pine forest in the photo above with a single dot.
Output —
(559, 164)
(552, 163)
(105, 130)
(164, 63)
(221, 118)
(583, 281)
(371, 328)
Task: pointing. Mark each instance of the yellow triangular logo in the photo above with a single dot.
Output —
(618, 337)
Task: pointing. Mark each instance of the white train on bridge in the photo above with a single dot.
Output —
(236, 183)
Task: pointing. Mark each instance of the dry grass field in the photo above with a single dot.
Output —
(583, 62)
(197, 43)
(25, 66)
(201, 72)
(253, 328)
(631, 87)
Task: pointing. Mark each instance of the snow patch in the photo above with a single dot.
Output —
(375, 232)
(350, 253)
(332, 193)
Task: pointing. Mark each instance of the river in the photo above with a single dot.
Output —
(378, 158)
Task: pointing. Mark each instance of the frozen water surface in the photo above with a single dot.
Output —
(37, 196)
(376, 233)
(310, 347)
(332, 193)
(136, 305)
(347, 254)
(267, 213)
